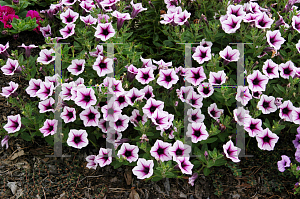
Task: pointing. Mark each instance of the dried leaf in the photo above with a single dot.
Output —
(18, 154)
(134, 195)
(128, 176)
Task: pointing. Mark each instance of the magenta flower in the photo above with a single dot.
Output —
(103, 65)
(148, 91)
(45, 56)
(197, 131)
(202, 54)
(240, 115)
(160, 151)
(144, 168)
(214, 112)
(3, 49)
(46, 105)
(111, 111)
(136, 117)
(167, 78)
(46, 90)
(85, 97)
(34, 86)
(218, 78)
(195, 115)
(285, 162)
(28, 49)
(4, 141)
(287, 69)
(266, 140)
(231, 151)
(263, 21)
(274, 39)
(49, 128)
(253, 126)
(231, 24)
(121, 17)
(68, 114)
(185, 165)
(88, 20)
(8, 19)
(104, 31)
(14, 123)
(194, 99)
(6, 10)
(270, 69)
(151, 105)
(133, 95)
(121, 124)
(195, 75)
(137, 8)
(10, 67)
(132, 71)
(257, 81)
(10, 90)
(77, 138)
(68, 30)
(90, 116)
(296, 23)
(130, 152)
(91, 162)
(243, 95)
(278, 101)
(114, 86)
(296, 116)
(104, 157)
(69, 16)
(286, 111)
(205, 89)
(179, 149)
(34, 14)
(145, 75)
(267, 104)
(77, 66)
(193, 178)
(99, 51)
(160, 118)
(229, 55)
(163, 65)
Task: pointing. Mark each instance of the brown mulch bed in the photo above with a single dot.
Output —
(40, 177)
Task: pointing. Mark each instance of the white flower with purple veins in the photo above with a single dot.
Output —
(266, 140)
(14, 123)
(34, 86)
(230, 54)
(99, 51)
(253, 126)
(108, 3)
(285, 162)
(202, 54)
(160, 118)
(298, 46)
(68, 2)
(218, 78)
(231, 24)
(160, 151)
(10, 90)
(296, 116)
(182, 18)
(195, 75)
(205, 89)
(113, 136)
(144, 168)
(104, 157)
(236, 10)
(267, 104)
(90, 116)
(163, 65)
(111, 111)
(195, 115)
(47, 105)
(145, 75)
(10, 67)
(151, 105)
(168, 18)
(67, 31)
(69, 16)
(68, 114)
(103, 16)
(286, 111)
(103, 125)
(85, 97)
(184, 92)
(46, 57)
(77, 66)
(121, 100)
(121, 17)
(240, 115)
(194, 99)
(185, 165)
(257, 81)
(136, 117)
(130, 152)
(104, 31)
(243, 95)
(88, 20)
(77, 138)
(114, 86)
(231, 151)
(250, 17)
(296, 141)
(148, 91)
(121, 124)
(103, 66)
(46, 90)
(55, 79)
(5, 141)
(87, 6)
(91, 162)
(137, 8)
(133, 95)
(49, 128)
(270, 69)
(287, 69)
(274, 39)
(179, 149)
(296, 23)
(67, 90)
(197, 131)
(263, 21)
(148, 63)
(28, 49)
(214, 112)
(193, 178)
(3, 50)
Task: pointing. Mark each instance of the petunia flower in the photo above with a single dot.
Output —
(151, 105)
(10, 67)
(133, 95)
(102, 125)
(136, 117)
(121, 100)
(3, 50)
(14, 123)
(287, 69)
(296, 116)
(88, 20)
(10, 90)
(257, 81)
(270, 69)
(148, 91)
(148, 63)
(121, 124)
(55, 80)
(45, 56)
(34, 86)
(85, 97)
(274, 39)
(160, 119)
(49, 128)
(104, 31)
(163, 65)
(103, 16)
(87, 6)
(68, 2)
(137, 8)
(296, 23)
(104, 157)
(91, 162)
(8, 19)
(285, 162)
(144, 168)
(179, 150)
(46, 105)
(121, 17)
(69, 16)
(194, 99)
(68, 30)
(266, 140)
(111, 111)
(243, 95)
(263, 21)
(77, 66)
(241, 115)
(296, 141)
(68, 114)
(160, 151)
(46, 90)
(229, 55)
(90, 116)
(130, 152)
(202, 54)
(286, 111)
(214, 112)
(267, 104)
(205, 89)
(77, 138)
(231, 151)
(132, 71)
(113, 136)
(253, 126)
(236, 10)
(28, 49)
(185, 165)
(197, 131)
(231, 24)
(145, 75)
(103, 66)
(182, 18)
(218, 78)
(195, 75)
(99, 51)
(4, 141)
(193, 178)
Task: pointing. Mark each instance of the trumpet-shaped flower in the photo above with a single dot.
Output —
(130, 152)
(231, 151)
(202, 54)
(160, 151)
(90, 116)
(68, 114)
(144, 168)
(10, 90)
(104, 31)
(69, 16)
(77, 138)
(14, 123)
(267, 104)
(68, 30)
(85, 97)
(197, 131)
(104, 157)
(266, 140)
(10, 67)
(49, 128)
(284, 162)
(257, 81)
(46, 57)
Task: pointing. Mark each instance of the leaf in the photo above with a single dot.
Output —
(170, 175)
(128, 176)
(220, 162)
(267, 123)
(209, 140)
(133, 194)
(26, 136)
(18, 154)
(281, 88)
(156, 178)
(206, 171)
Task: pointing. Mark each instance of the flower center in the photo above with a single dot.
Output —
(91, 116)
(252, 126)
(266, 139)
(119, 123)
(269, 70)
(178, 152)
(139, 118)
(50, 128)
(87, 98)
(168, 78)
(128, 154)
(285, 111)
(197, 133)
(194, 117)
(102, 65)
(287, 71)
(77, 139)
(265, 104)
(160, 151)
(146, 170)
(70, 114)
(110, 111)
(145, 76)
(105, 32)
(121, 99)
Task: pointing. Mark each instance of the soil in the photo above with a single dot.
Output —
(43, 177)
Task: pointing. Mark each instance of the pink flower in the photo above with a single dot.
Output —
(231, 151)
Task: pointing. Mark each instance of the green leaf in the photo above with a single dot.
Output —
(156, 178)
(210, 163)
(26, 136)
(209, 140)
(116, 164)
(267, 124)
(220, 162)
(206, 171)
(281, 88)
(170, 175)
